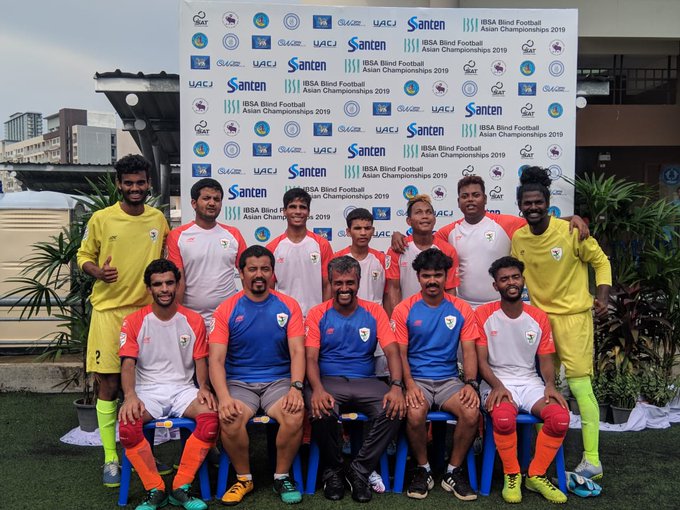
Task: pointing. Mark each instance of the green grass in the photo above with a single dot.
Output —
(39, 472)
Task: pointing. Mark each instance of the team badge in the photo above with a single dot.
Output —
(183, 341)
(364, 334)
(282, 319)
(123, 338)
(388, 261)
(375, 274)
(393, 326)
(450, 321)
(530, 337)
(490, 236)
(153, 234)
(556, 253)
(315, 257)
(224, 243)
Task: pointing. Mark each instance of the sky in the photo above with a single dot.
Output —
(50, 50)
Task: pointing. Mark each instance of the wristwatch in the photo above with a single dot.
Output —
(474, 384)
(397, 382)
(297, 385)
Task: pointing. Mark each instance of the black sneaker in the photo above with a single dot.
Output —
(458, 483)
(287, 491)
(154, 499)
(361, 491)
(333, 485)
(421, 483)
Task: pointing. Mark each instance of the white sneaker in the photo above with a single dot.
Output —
(588, 470)
(376, 482)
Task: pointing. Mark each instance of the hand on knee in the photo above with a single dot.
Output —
(504, 418)
(555, 420)
(207, 425)
(130, 434)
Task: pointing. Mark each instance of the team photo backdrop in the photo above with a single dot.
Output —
(367, 106)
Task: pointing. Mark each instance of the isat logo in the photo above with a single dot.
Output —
(555, 110)
(295, 64)
(261, 128)
(527, 111)
(414, 24)
(469, 88)
(528, 48)
(382, 109)
(261, 42)
(382, 213)
(525, 88)
(201, 128)
(262, 150)
(261, 20)
(323, 129)
(413, 130)
(201, 62)
(262, 234)
(470, 67)
(234, 85)
(527, 68)
(411, 88)
(472, 109)
(497, 89)
(356, 151)
(322, 22)
(201, 149)
(199, 40)
(324, 232)
(230, 19)
(201, 170)
(235, 192)
(410, 192)
(356, 44)
(199, 19)
(526, 152)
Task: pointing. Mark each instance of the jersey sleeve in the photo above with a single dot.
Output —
(198, 327)
(129, 348)
(272, 248)
(391, 265)
(342, 253)
(295, 326)
(482, 314)
(469, 333)
(241, 242)
(91, 243)
(589, 251)
(172, 248)
(219, 328)
(452, 278)
(326, 255)
(399, 317)
(546, 345)
(312, 330)
(443, 233)
(510, 224)
(384, 331)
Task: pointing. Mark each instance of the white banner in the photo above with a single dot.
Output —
(367, 106)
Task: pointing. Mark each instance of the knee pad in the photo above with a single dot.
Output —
(504, 418)
(555, 420)
(206, 427)
(130, 435)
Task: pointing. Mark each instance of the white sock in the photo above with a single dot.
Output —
(426, 466)
(450, 468)
(278, 476)
(247, 477)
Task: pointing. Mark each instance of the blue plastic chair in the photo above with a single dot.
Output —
(356, 439)
(225, 462)
(439, 446)
(525, 425)
(149, 429)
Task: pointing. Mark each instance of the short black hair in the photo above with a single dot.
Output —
(503, 263)
(132, 164)
(469, 180)
(296, 193)
(432, 258)
(418, 198)
(358, 214)
(205, 183)
(256, 251)
(344, 265)
(534, 178)
(160, 266)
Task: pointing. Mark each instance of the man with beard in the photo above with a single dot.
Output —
(557, 279)
(512, 335)
(342, 334)
(429, 326)
(256, 350)
(206, 252)
(119, 243)
(162, 346)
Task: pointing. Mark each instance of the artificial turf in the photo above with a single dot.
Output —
(38, 472)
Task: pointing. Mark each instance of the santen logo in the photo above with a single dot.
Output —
(236, 192)
(262, 150)
(295, 64)
(356, 44)
(295, 171)
(471, 109)
(322, 22)
(382, 109)
(323, 129)
(413, 130)
(424, 24)
(200, 62)
(234, 85)
(201, 170)
(356, 151)
(261, 42)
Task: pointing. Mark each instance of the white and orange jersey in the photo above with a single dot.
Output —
(372, 284)
(514, 343)
(478, 246)
(301, 267)
(165, 350)
(208, 259)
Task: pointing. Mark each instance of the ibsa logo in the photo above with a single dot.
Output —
(295, 64)
(295, 171)
(235, 192)
(234, 85)
(355, 151)
(413, 130)
(414, 24)
(356, 44)
(471, 109)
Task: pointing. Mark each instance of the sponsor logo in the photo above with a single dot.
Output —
(235, 191)
(553, 88)
(522, 168)
(230, 19)
(343, 22)
(527, 68)
(553, 210)
(230, 41)
(350, 129)
(230, 171)
(385, 130)
(291, 21)
(356, 151)
(224, 243)
(201, 128)
(442, 108)
(555, 110)
(468, 130)
(229, 63)
(261, 20)
(323, 129)
(322, 22)
(496, 172)
(382, 213)
(411, 45)
(556, 68)
(556, 253)
(265, 170)
(413, 130)
(411, 151)
(352, 65)
(556, 47)
(470, 68)
(440, 88)
(414, 24)
(200, 62)
(290, 42)
(555, 172)
(356, 44)
(526, 152)
(232, 106)
(200, 84)
(409, 108)
(349, 208)
(527, 111)
(469, 88)
(232, 213)
(264, 64)
(351, 108)
(470, 24)
(285, 149)
(554, 151)
(528, 48)
(411, 88)
(295, 171)
(261, 42)
(325, 232)
(201, 149)
(200, 20)
(384, 23)
(199, 40)
(382, 109)
(295, 64)
(495, 194)
(498, 68)
(201, 170)
(262, 234)
(471, 109)
(232, 128)
(497, 89)
(325, 43)
(325, 150)
(262, 150)
(234, 85)
(291, 86)
(232, 149)
(410, 192)
(261, 128)
(468, 170)
(439, 192)
(525, 88)
(315, 257)
(291, 129)
(351, 172)
(183, 341)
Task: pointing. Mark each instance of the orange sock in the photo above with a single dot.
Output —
(506, 445)
(193, 456)
(141, 458)
(546, 449)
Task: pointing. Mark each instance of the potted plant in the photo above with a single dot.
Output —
(624, 388)
(657, 387)
(602, 394)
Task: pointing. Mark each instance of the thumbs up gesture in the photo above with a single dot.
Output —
(108, 273)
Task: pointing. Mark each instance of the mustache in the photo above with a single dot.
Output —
(350, 292)
(432, 286)
(259, 279)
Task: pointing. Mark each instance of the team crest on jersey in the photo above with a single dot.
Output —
(153, 234)
(224, 243)
(393, 325)
(123, 338)
(183, 341)
(315, 257)
(556, 253)
(450, 321)
(375, 274)
(530, 337)
(490, 235)
(282, 319)
(388, 261)
(364, 334)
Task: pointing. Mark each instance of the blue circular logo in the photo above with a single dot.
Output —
(555, 110)
(554, 172)
(409, 231)
(262, 234)
(411, 88)
(232, 149)
(261, 20)
(292, 129)
(201, 149)
(556, 68)
(527, 68)
(291, 21)
(199, 40)
(352, 108)
(553, 210)
(671, 175)
(522, 168)
(469, 88)
(410, 192)
(261, 128)
(230, 41)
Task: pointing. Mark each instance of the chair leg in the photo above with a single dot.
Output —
(488, 458)
(385, 471)
(472, 469)
(222, 473)
(297, 473)
(204, 479)
(125, 474)
(312, 468)
(400, 462)
(561, 469)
